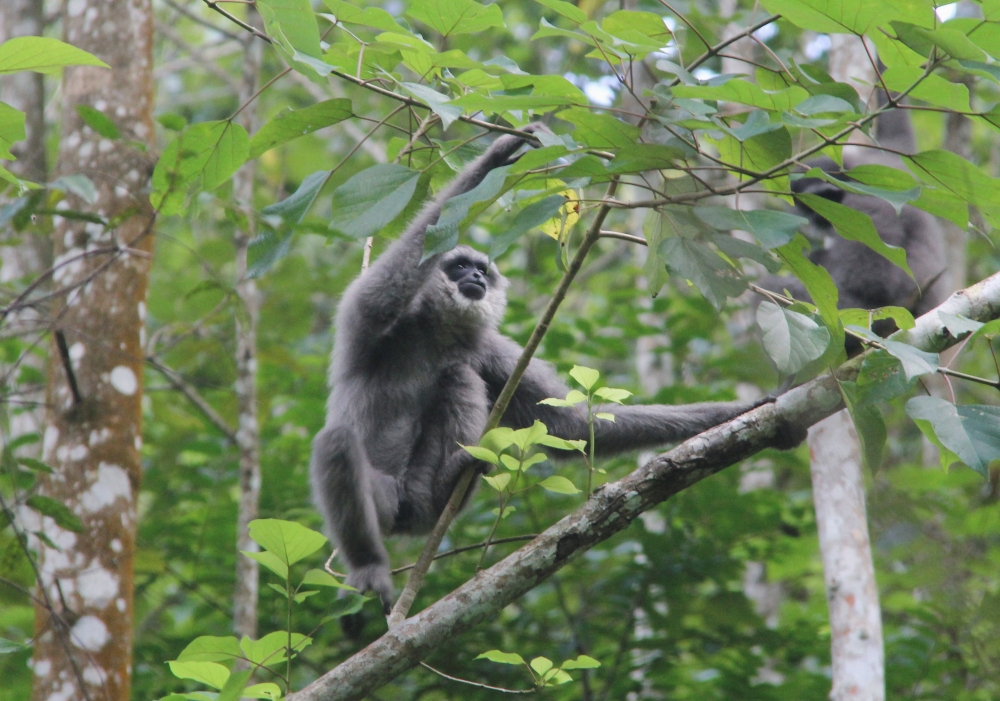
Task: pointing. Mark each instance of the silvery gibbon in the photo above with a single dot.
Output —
(417, 364)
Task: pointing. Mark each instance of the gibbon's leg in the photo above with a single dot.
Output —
(356, 502)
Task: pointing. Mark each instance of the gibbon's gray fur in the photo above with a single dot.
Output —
(864, 278)
(417, 364)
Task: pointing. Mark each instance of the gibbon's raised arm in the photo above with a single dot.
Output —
(386, 291)
(636, 426)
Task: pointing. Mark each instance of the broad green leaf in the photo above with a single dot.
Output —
(42, 55)
(932, 88)
(524, 438)
(266, 690)
(295, 21)
(510, 462)
(883, 177)
(501, 657)
(736, 248)
(772, 228)
(371, 199)
(541, 664)
(266, 249)
(745, 93)
(868, 424)
(587, 377)
(970, 432)
(562, 444)
(280, 589)
(455, 16)
(291, 124)
(559, 485)
(823, 104)
(369, 16)
(498, 482)
(209, 648)
(554, 401)
(98, 121)
(951, 42)
(78, 184)
(855, 226)
(498, 104)
(272, 647)
(605, 416)
(438, 102)
(528, 218)
(581, 662)
(210, 150)
(791, 339)
(896, 198)
(557, 676)
(599, 130)
(294, 207)
(959, 326)
(480, 453)
(11, 129)
(443, 236)
(9, 646)
(57, 511)
(954, 174)
(915, 361)
(498, 440)
(324, 579)
(714, 277)
(612, 395)
(849, 16)
(881, 378)
(759, 154)
(271, 562)
(344, 606)
(35, 465)
(566, 9)
(288, 540)
(233, 688)
(211, 673)
(861, 317)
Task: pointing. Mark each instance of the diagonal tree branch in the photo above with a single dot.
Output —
(614, 507)
(178, 382)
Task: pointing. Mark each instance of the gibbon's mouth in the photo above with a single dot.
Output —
(472, 289)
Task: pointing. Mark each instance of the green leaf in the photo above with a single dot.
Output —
(295, 21)
(288, 540)
(78, 184)
(210, 150)
(553, 401)
(970, 432)
(501, 657)
(956, 175)
(98, 121)
(9, 646)
(510, 462)
(35, 465)
(559, 485)
(714, 277)
(209, 648)
(324, 579)
(368, 16)
(291, 124)
(438, 102)
(57, 511)
(266, 690)
(211, 673)
(541, 665)
(848, 16)
(481, 453)
(280, 589)
(881, 378)
(855, 226)
(599, 130)
(344, 606)
(951, 42)
(791, 339)
(605, 416)
(266, 249)
(455, 16)
(531, 216)
(271, 562)
(42, 55)
(443, 236)
(498, 440)
(371, 199)
(932, 88)
(745, 93)
(562, 444)
(587, 377)
(612, 395)
(11, 129)
(271, 649)
(770, 227)
(581, 662)
(915, 361)
(174, 122)
(868, 423)
(233, 688)
(498, 482)
(566, 9)
(294, 207)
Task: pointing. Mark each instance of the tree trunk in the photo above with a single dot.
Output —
(84, 621)
(248, 434)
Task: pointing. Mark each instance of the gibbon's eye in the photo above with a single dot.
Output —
(481, 269)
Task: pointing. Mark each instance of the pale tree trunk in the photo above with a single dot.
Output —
(248, 434)
(24, 257)
(856, 646)
(83, 622)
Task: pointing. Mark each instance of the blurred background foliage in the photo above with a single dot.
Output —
(675, 607)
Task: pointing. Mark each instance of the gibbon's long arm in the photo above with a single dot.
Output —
(635, 426)
(385, 292)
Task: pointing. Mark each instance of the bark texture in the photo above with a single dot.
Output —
(848, 568)
(248, 433)
(84, 623)
(613, 508)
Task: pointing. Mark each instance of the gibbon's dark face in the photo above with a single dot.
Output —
(469, 274)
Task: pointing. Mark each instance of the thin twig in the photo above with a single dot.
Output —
(68, 366)
(477, 684)
(175, 379)
(456, 551)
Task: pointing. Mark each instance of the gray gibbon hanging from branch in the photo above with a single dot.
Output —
(417, 364)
